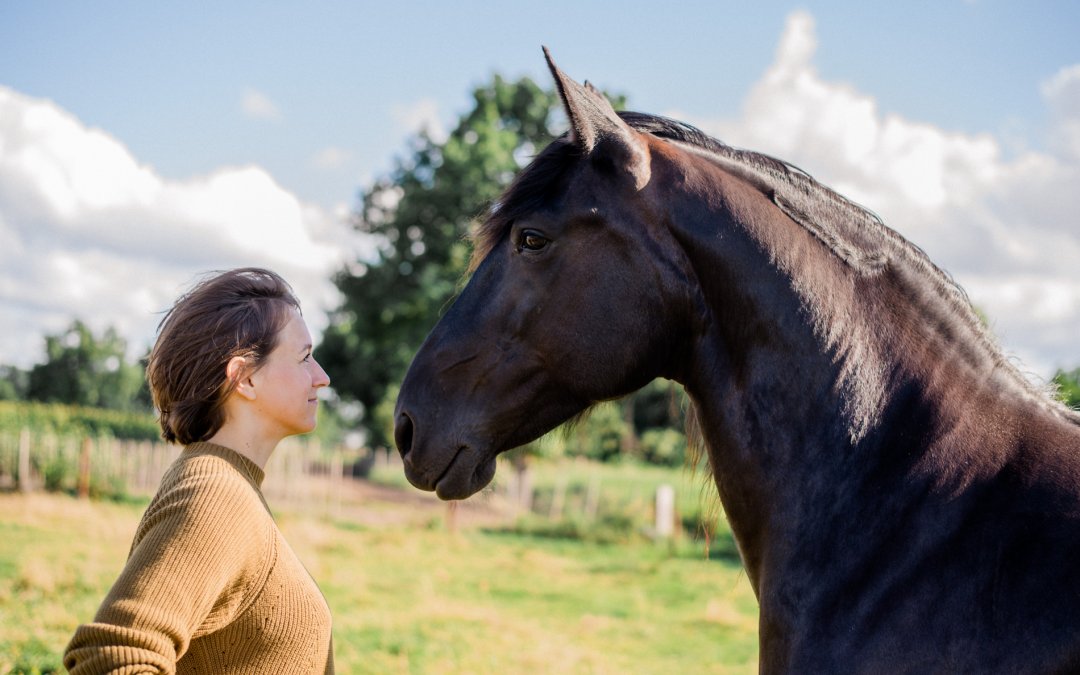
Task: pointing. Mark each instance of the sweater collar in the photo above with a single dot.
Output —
(245, 466)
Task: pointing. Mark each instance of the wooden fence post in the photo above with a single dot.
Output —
(143, 457)
(24, 461)
(558, 498)
(337, 480)
(592, 498)
(83, 485)
(451, 517)
(523, 474)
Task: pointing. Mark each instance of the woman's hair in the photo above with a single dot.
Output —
(228, 314)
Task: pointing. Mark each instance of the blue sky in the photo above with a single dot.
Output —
(142, 143)
(167, 78)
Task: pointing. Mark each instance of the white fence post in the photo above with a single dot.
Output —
(665, 511)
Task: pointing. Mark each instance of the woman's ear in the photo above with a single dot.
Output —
(239, 373)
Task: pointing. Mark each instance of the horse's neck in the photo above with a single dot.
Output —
(779, 317)
(809, 375)
(772, 394)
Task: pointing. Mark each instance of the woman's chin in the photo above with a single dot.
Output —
(306, 427)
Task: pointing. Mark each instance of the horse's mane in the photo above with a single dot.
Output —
(855, 234)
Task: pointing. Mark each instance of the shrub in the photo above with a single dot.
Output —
(65, 420)
(666, 447)
(609, 528)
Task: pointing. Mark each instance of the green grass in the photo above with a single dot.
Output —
(416, 599)
(57, 555)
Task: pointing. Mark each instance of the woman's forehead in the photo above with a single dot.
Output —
(295, 332)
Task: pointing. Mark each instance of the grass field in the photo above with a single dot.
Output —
(414, 598)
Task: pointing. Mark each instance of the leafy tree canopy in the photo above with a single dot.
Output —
(85, 369)
(13, 383)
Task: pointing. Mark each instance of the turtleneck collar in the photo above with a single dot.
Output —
(245, 466)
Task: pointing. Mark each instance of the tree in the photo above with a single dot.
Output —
(85, 369)
(1068, 384)
(13, 383)
(421, 214)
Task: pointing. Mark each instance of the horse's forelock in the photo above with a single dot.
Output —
(531, 189)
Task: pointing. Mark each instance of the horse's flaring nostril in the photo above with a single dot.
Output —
(403, 434)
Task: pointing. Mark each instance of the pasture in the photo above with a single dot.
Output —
(410, 595)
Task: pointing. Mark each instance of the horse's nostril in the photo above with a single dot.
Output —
(403, 433)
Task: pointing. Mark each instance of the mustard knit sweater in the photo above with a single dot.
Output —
(210, 585)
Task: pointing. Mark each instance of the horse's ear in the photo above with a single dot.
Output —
(595, 127)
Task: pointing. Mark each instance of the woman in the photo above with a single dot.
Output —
(210, 585)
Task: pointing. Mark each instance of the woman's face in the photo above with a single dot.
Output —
(287, 385)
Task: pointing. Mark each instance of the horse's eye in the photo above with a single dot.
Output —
(532, 241)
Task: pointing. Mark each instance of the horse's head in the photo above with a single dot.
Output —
(574, 279)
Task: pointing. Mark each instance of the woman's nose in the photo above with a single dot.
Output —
(321, 379)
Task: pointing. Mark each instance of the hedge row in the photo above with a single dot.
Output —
(77, 421)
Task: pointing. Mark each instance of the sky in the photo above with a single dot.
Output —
(144, 144)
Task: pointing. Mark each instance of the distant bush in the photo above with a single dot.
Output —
(665, 447)
(608, 528)
(1068, 387)
(599, 435)
(66, 420)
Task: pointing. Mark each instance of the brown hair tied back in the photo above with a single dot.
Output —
(237, 313)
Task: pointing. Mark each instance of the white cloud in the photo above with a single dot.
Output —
(256, 104)
(87, 231)
(1062, 93)
(1007, 229)
(423, 115)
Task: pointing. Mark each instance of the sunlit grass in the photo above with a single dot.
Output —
(414, 600)
(57, 555)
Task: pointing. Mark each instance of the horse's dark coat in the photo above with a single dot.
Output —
(904, 501)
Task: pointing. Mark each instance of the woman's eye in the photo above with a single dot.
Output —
(532, 241)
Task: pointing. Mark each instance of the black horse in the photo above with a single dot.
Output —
(903, 499)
